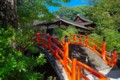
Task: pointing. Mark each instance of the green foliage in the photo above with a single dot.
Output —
(65, 12)
(60, 33)
(30, 10)
(112, 39)
(51, 78)
(70, 13)
(106, 15)
(96, 36)
(14, 64)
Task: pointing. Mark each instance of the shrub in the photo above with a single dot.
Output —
(60, 33)
(13, 64)
(112, 39)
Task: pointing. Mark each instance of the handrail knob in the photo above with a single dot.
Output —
(114, 49)
(66, 38)
(104, 39)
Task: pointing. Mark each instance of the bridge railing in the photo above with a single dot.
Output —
(73, 67)
(76, 70)
(96, 46)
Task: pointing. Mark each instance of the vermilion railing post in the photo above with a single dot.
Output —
(86, 41)
(38, 38)
(74, 38)
(79, 41)
(66, 51)
(74, 65)
(104, 48)
(79, 73)
(94, 47)
(115, 57)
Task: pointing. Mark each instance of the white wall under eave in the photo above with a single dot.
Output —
(63, 26)
(52, 26)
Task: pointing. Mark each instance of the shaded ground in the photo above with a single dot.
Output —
(95, 62)
(47, 70)
(87, 56)
(113, 73)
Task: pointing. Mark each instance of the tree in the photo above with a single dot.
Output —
(65, 12)
(13, 63)
(70, 13)
(106, 15)
(61, 33)
(30, 10)
(13, 12)
(8, 13)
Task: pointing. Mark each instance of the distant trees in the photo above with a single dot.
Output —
(70, 13)
(105, 14)
(30, 10)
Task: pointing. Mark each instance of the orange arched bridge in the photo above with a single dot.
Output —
(73, 67)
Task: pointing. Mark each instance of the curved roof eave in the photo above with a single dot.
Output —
(72, 23)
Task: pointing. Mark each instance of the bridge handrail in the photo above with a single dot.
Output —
(97, 46)
(62, 55)
(87, 40)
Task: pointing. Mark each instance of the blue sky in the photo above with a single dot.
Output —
(71, 4)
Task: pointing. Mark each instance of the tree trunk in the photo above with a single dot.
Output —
(8, 13)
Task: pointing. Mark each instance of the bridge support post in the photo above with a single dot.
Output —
(66, 51)
(104, 48)
(38, 38)
(74, 63)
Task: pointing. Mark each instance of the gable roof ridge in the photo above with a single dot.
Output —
(85, 19)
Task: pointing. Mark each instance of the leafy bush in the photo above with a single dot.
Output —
(60, 33)
(112, 38)
(13, 64)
